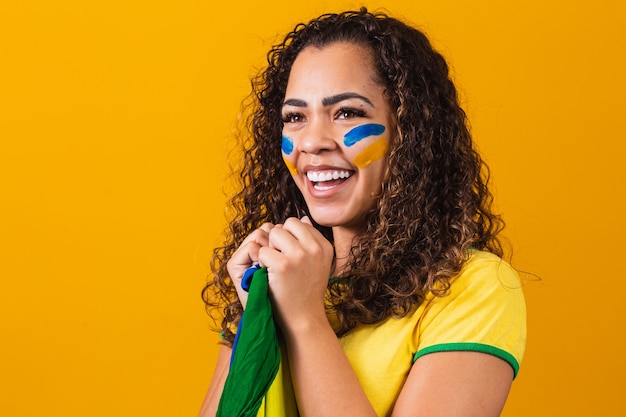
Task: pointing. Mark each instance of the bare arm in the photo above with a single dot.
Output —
(324, 381)
(455, 384)
(446, 384)
(299, 260)
(450, 384)
(212, 399)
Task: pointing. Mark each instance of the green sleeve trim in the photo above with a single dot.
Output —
(471, 347)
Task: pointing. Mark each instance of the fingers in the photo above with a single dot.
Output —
(297, 240)
(266, 227)
(287, 236)
(299, 261)
(245, 256)
(248, 252)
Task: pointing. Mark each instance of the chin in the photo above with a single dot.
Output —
(323, 221)
(328, 220)
(324, 218)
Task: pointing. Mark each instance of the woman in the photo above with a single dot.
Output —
(360, 167)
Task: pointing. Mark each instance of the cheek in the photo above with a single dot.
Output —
(287, 148)
(372, 153)
(362, 132)
(365, 143)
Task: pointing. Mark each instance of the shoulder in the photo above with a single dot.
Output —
(484, 310)
(485, 285)
(484, 270)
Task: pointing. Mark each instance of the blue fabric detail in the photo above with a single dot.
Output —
(247, 277)
(245, 284)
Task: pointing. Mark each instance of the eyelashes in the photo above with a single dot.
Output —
(349, 112)
(343, 113)
(292, 117)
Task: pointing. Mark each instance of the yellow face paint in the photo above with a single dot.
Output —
(374, 152)
(290, 166)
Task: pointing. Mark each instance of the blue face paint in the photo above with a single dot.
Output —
(287, 145)
(360, 133)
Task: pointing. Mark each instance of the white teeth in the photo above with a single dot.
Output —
(317, 176)
(321, 188)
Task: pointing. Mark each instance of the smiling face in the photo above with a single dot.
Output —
(336, 134)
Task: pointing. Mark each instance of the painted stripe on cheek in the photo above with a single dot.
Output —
(287, 145)
(287, 148)
(374, 152)
(361, 132)
(290, 166)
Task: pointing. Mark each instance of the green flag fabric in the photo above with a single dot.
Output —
(256, 352)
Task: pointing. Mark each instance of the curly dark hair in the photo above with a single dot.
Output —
(434, 204)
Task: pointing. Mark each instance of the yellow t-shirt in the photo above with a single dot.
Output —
(484, 312)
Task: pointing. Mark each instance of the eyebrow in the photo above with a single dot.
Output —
(328, 101)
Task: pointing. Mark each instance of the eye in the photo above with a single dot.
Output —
(292, 117)
(349, 113)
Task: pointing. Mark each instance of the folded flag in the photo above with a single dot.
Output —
(256, 351)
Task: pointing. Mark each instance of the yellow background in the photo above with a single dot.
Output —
(115, 119)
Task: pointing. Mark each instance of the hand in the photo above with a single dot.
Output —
(298, 260)
(245, 256)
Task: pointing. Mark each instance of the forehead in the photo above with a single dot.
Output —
(340, 65)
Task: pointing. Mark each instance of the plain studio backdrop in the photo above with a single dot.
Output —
(116, 119)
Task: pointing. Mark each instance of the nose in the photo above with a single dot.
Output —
(317, 137)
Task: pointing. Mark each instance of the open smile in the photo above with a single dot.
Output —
(327, 179)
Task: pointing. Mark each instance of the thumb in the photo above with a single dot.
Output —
(306, 220)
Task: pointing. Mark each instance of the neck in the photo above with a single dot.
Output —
(342, 238)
